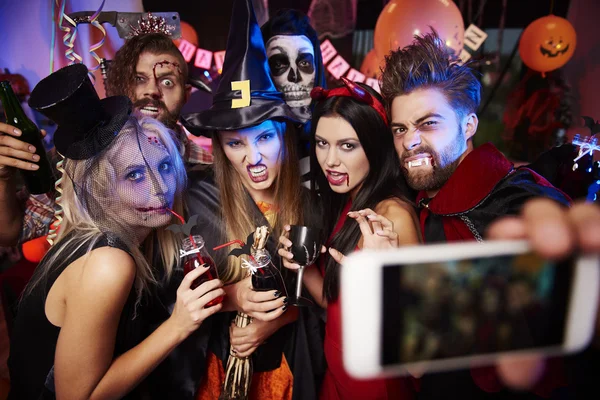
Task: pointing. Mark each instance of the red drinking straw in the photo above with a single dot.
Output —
(242, 244)
(238, 241)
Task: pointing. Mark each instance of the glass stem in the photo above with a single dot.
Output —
(299, 281)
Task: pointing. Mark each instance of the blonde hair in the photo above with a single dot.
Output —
(97, 173)
(236, 211)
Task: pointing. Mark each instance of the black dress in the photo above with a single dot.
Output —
(33, 340)
(302, 342)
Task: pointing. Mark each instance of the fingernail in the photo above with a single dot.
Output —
(17, 132)
(35, 166)
(379, 232)
(31, 148)
(277, 293)
(284, 308)
(35, 157)
(370, 216)
(285, 301)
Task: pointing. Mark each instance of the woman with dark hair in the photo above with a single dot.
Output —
(359, 177)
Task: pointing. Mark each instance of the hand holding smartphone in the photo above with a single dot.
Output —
(452, 306)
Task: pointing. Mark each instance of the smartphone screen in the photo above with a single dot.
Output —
(450, 309)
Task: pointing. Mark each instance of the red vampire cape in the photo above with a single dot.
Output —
(485, 186)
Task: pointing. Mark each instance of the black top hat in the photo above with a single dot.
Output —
(86, 124)
(245, 60)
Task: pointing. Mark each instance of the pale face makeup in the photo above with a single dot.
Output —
(292, 63)
(429, 138)
(340, 155)
(162, 97)
(255, 154)
(144, 181)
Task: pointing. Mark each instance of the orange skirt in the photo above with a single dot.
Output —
(275, 384)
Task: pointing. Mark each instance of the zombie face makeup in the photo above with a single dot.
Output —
(159, 89)
(255, 154)
(144, 181)
(340, 155)
(291, 59)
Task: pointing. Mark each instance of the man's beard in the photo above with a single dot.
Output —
(165, 116)
(444, 165)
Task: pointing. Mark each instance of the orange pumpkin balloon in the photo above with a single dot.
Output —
(547, 43)
(401, 20)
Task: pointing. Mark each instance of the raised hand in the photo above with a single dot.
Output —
(553, 232)
(377, 231)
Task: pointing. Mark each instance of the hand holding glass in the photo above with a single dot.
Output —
(306, 247)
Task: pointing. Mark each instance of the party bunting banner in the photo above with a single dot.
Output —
(335, 64)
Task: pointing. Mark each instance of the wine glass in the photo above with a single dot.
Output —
(306, 247)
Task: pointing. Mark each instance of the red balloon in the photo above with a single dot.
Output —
(34, 250)
(547, 43)
(188, 33)
(400, 20)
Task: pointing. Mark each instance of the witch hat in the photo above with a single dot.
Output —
(246, 95)
(86, 124)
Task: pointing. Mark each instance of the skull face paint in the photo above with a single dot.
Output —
(292, 63)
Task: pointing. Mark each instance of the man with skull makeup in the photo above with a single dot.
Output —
(292, 68)
(294, 54)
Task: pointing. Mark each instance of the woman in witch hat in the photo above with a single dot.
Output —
(258, 183)
(366, 204)
(80, 330)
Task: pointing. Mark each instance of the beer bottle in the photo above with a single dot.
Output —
(37, 181)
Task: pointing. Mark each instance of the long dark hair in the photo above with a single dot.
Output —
(383, 181)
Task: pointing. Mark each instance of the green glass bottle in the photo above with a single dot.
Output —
(37, 181)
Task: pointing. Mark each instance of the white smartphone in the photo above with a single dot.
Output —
(450, 306)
